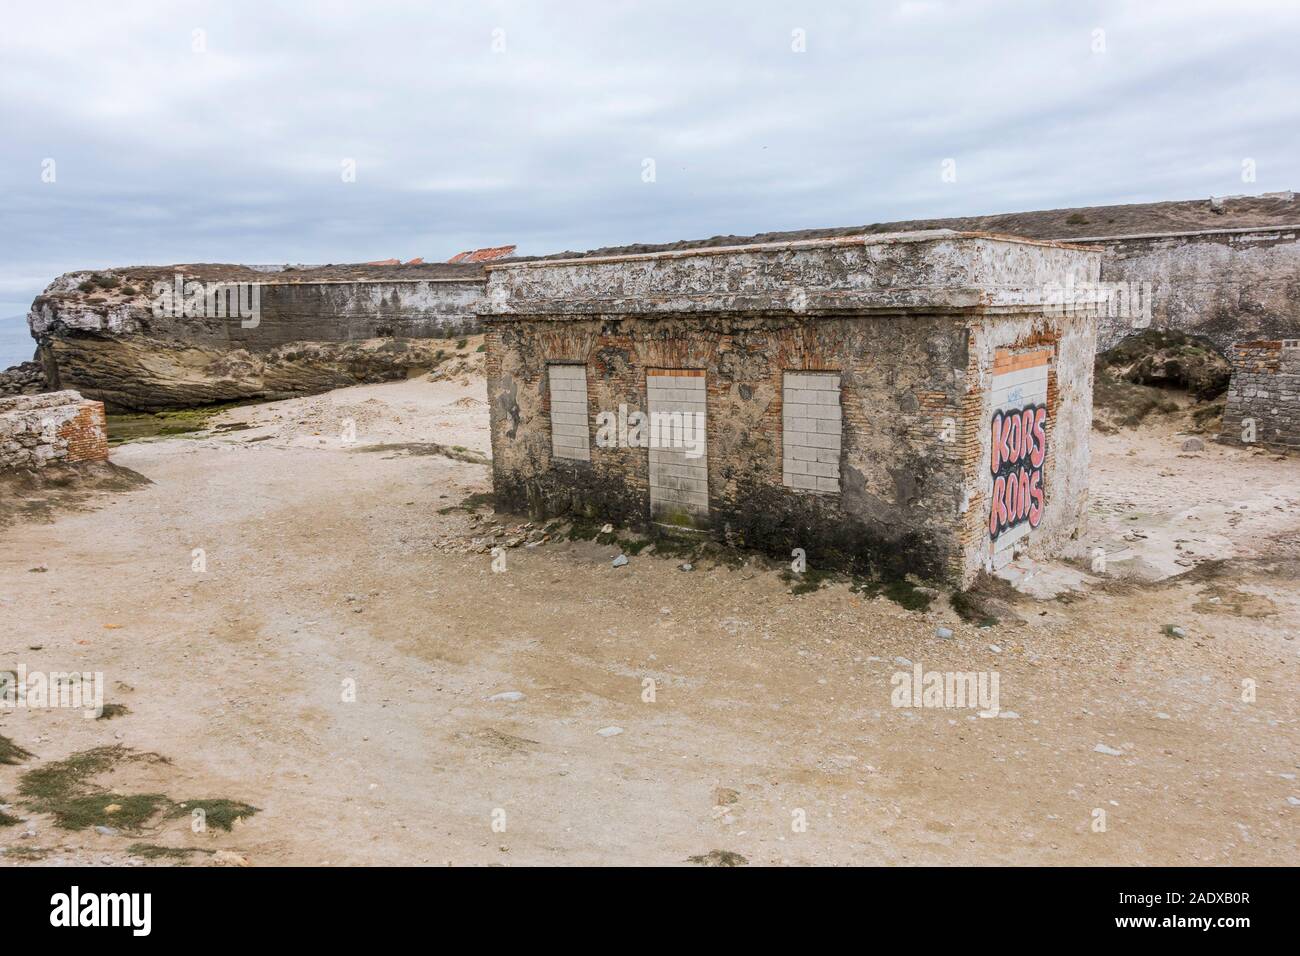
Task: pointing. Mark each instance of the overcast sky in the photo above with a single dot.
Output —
(490, 123)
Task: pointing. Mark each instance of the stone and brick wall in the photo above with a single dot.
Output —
(912, 332)
(52, 428)
(1263, 402)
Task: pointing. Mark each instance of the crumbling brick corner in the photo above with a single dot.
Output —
(51, 428)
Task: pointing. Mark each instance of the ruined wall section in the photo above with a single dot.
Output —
(306, 337)
(1229, 285)
(1263, 403)
(53, 428)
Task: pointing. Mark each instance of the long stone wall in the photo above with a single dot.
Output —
(265, 340)
(1230, 285)
(53, 428)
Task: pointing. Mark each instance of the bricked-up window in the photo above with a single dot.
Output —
(811, 425)
(570, 436)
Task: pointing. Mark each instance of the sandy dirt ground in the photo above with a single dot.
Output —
(339, 569)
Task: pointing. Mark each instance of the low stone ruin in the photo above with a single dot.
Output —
(1264, 398)
(53, 428)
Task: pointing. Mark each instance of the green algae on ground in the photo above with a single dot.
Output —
(64, 790)
(141, 426)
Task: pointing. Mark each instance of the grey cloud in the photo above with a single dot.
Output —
(164, 154)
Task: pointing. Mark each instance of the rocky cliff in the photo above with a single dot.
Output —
(149, 338)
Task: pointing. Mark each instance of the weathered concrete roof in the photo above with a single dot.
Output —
(922, 271)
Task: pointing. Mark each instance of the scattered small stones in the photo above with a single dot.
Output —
(509, 696)
(609, 731)
(607, 529)
(1294, 801)
(619, 561)
(1173, 630)
(902, 662)
(943, 632)
(107, 831)
(686, 566)
(995, 649)
(1108, 751)
(1193, 444)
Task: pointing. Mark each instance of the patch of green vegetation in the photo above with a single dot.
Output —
(718, 858)
(481, 348)
(582, 528)
(152, 851)
(182, 421)
(810, 580)
(121, 811)
(11, 753)
(86, 286)
(113, 710)
(8, 820)
(130, 290)
(63, 789)
(1076, 219)
(461, 343)
(902, 592)
(632, 546)
(107, 282)
(675, 546)
(219, 813)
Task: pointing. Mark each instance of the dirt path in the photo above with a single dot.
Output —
(331, 566)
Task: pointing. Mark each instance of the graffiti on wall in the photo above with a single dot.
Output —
(1018, 439)
(1018, 427)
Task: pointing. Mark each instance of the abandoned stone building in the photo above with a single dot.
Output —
(899, 402)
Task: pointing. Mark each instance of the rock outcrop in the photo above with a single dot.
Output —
(151, 338)
(25, 378)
